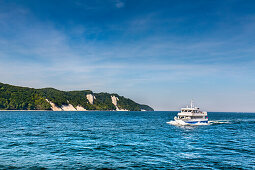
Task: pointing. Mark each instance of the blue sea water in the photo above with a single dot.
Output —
(128, 140)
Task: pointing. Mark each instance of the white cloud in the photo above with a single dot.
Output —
(36, 54)
(119, 4)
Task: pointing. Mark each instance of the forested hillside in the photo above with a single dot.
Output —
(24, 98)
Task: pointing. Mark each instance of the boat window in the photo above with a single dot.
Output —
(196, 117)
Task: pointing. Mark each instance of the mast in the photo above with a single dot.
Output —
(191, 104)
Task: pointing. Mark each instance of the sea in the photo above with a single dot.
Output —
(124, 140)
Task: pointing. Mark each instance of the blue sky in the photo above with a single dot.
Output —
(162, 53)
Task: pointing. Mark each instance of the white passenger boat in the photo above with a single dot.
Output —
(190, 116)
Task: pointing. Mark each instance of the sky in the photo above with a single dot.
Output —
(162, 53)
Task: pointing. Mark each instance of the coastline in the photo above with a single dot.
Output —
(57, 100)
(23, 110)
(72, 111)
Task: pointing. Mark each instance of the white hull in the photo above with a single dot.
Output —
(182, 123)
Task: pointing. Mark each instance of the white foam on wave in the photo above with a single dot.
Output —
(219, 122)
(172, 123)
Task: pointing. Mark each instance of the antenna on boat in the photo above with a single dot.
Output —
(191, 103)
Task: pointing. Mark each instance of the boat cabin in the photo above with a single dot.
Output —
(191, 117)
(190, 110)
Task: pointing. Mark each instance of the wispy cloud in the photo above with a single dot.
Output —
(139, 58)
(119, 4)
(155, 58)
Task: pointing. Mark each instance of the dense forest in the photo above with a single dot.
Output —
(24, 98)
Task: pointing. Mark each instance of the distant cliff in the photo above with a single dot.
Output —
(24, 98)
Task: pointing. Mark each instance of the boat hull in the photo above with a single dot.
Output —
(181, 122)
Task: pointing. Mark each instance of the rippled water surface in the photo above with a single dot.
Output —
(129, 140)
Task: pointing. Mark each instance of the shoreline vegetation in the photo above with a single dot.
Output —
(16, 98)
(25, 110)
(69, 110)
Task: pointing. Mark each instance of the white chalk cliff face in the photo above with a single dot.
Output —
(90, 98)
(115, 102)
(53, 106)
(68, 107)
(79, 108)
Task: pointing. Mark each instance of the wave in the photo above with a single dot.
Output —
(219, 122)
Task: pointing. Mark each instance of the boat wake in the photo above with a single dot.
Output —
(219, 122)
(172, 123)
